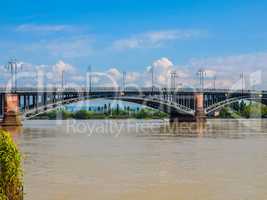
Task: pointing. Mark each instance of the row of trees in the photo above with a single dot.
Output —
(240, 109)
(107, 108)
(116, 113)
(245, 110)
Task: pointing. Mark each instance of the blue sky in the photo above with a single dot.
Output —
(224, 37)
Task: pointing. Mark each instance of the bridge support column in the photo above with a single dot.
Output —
(199, 117)
(199, 107)
(11, 111)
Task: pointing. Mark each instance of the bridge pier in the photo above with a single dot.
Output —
(199, 116)
(11, 115)
(199, 108)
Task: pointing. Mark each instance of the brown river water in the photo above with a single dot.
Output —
(144, 159)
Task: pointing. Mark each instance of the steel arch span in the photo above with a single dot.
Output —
(217, 106)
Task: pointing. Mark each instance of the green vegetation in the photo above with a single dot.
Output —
(104, 113)
(11, 186)
(244, 110)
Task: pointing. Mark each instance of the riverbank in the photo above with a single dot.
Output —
(112, 114)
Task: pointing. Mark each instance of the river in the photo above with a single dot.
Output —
(144, 159)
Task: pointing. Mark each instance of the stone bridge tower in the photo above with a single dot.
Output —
(11, 111)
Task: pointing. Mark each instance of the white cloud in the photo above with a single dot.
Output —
(236, 63)
(62, 66)
(229, 68)
(4, 73)
(164, 64)
(156, 39)
(162, 79)
(70, 47)
(41, 66)
(78, 77)
(182, 73)
(72, 85)
(158, 36)
(255, 78)
(50, 75)
(130, 43)
(236, 85)
(132, 76)
(95, 79)
(43, 28)
(210, 73)
(114, 73)
(162, 70)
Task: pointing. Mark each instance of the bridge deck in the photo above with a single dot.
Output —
(34, 100)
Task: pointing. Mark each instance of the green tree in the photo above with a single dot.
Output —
(105, 108)
(82, 114)
(225, 113)
(117, 109)
(236, 106)
(242, 106)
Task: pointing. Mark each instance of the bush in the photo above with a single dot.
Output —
(82, 114)
(11, 186)
(225, 113)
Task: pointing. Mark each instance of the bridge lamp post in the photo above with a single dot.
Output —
(242, 82)
(201, 73)
(39, 78)
(89, 72)
(13, 68)
(174, 76)
(214, 82)
(152, 78)
(62, 79)
(124, 81)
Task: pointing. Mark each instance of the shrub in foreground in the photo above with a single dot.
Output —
(11, 186)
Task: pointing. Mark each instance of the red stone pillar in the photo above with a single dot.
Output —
(11, 111)
(199, 113)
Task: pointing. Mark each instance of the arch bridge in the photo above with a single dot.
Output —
(180, 104)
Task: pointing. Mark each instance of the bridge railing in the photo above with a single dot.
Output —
(127, 89)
